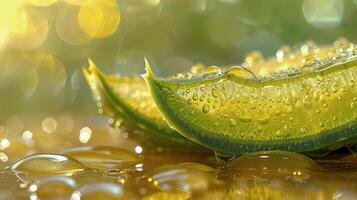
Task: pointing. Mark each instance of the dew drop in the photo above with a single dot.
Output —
(278, 97)
(215, 93)
(48, 163)
(351, 83)
(321, 124)
(263, 116)
(212, 71)
(334, 87)
(302, 131)
(195, 97)
(244, 117)
(205, 108)
(241, 72)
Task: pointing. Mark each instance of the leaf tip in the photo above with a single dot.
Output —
(86, 72)
(92, 67)
(149, 73)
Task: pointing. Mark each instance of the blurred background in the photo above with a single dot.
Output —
(45, 43)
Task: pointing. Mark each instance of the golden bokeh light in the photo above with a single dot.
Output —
(68, 29)
(99, 18)
(43, 3)
(75, 2)
(13, 18)
(36, 27)
(53, 68)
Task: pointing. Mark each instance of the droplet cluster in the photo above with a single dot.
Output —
(283, 105)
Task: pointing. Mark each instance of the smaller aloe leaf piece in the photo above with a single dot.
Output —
(128, 98)
(230, 114)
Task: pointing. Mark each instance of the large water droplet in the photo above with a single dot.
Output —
(102, 157)
(212, 71)
(181, 178)
(48, 164)
(241, 72)
(273, 160)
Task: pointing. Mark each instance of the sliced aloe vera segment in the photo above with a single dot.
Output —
(313, 110)
(128, 98)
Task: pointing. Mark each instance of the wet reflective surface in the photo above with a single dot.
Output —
(36, 164)
(52, 146)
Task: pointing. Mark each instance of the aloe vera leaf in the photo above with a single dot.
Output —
(313, 110)
(128, 98)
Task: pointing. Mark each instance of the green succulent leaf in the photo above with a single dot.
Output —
(302, 112)
(129, 99)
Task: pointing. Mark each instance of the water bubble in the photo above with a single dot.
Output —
(48, 164)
